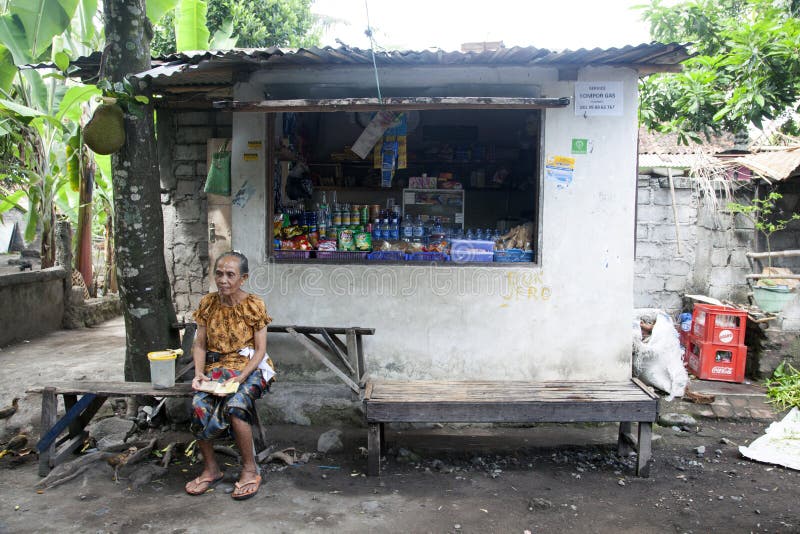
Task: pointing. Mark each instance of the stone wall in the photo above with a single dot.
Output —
(182, 139)
(33, 304)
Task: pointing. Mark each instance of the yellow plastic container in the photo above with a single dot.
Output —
(162, 367)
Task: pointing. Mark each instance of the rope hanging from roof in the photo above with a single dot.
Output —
(372, 50)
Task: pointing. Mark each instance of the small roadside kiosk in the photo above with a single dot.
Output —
(522, 142)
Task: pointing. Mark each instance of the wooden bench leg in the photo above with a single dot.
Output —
(383, 439)
(374, 449)
(625, 439)
(643, 461)
(49, 406)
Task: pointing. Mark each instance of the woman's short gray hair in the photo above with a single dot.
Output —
(243, 267)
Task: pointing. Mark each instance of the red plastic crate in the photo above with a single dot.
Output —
(718, 324)
(714, 361)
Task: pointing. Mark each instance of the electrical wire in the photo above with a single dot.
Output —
(372, 50)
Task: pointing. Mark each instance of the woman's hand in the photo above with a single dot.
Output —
(198, 380)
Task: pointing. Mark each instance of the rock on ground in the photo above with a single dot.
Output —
(676, 419)
(330, 441)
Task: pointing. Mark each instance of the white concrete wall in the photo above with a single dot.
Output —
(566, 318)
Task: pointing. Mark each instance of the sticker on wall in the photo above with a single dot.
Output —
(581, 146)
(254, 145)
(560, 169)
(250, 156)
(598, 99)
(243, 195)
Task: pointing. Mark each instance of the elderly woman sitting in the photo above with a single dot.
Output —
(229, 350)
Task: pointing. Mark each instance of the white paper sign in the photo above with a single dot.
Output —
(598, 98)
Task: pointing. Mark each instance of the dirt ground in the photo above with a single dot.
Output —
(442, 479)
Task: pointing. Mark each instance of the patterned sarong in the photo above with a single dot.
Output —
(211, 413)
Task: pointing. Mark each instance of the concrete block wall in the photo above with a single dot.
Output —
(182, 139)
(721, 265)
(708, 258)
(664, 263)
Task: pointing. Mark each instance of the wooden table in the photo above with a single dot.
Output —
(625, 402)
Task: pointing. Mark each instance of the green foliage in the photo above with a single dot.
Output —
(762, 212)
(190, 25)
(246, 23)
(39, 114)
(746, 66)
(783, 389)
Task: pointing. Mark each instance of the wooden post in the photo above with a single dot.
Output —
(49, 406)
(383, 439)
(362, 365)
(624, 440)
(643, 461)
(352, 354)
(374, 450)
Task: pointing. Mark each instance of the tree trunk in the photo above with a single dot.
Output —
(138, 223)
(48, 250)
(83, 256)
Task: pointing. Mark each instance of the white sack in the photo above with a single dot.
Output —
(658, 361)
(780, 444)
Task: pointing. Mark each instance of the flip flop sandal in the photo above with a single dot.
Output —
(239, 495)
(200, 488)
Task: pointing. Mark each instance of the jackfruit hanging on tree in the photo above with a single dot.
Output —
(105, 132)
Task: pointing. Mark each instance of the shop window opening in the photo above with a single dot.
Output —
(451, 186)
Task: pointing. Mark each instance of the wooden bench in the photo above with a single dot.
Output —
(82, 399)
(512, 402)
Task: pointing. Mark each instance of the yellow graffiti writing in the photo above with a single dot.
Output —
(525, 285)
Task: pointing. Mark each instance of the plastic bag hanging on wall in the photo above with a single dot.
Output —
(218, 181)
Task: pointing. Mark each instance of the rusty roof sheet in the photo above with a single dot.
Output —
(775, 165)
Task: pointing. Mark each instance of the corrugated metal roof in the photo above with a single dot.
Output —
(642, 54)
(204, 67)
(778, 165)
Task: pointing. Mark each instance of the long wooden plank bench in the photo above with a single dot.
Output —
(82, 399)
(625, 402)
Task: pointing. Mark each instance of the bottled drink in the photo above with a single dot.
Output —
(407, 229)
(377, 233)
(479, 234)
(385, 229)
(470, 235)
(394, 228)
(419, 231)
